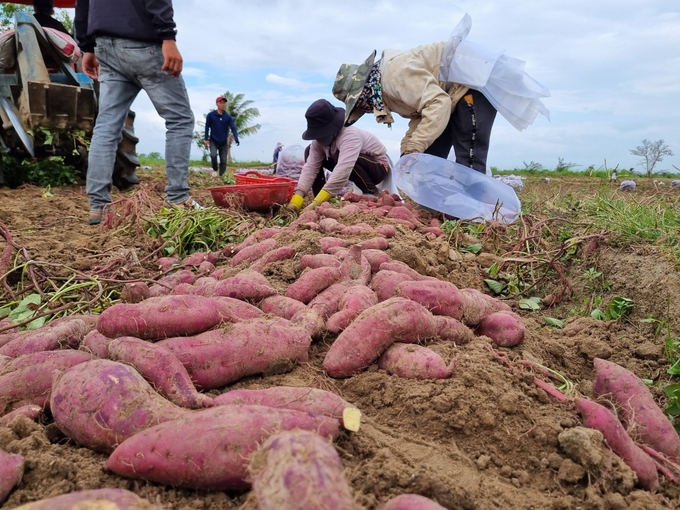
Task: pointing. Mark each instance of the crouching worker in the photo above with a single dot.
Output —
(349, 153)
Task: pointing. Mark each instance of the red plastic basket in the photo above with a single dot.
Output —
(252, 197)
(254, 177)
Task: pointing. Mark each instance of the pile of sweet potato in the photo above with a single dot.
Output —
(132, 382)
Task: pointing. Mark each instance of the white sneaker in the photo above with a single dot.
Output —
(190, 204)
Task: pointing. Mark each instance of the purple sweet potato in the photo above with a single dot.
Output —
(385, 283)
(401, 267)
(222, 356)
(95, 499)
(60, 336)
(355, 300)
(375, 243)
(506, 329)
(404, 213)
(330, 225)
(411, 502)
(281, 306)
(638, 407)
(326, 303)
(101, 403)
(332, 242)
(165, 284)
(299, 470)
(598, 417)
(374, 330)
(256, 237)
(160, 367)
(245, 286)
(438, 296)
(275, 255)
(357, 229)
(386, 230)
(11, 471)
(319, 260)
(339, 212)
(208, 449)
(197, 258)
(161, 317)
(96, 344)
(7, 326)
(254, 252)
(309, 400)
(206, 267)
(453, 330)
(412, 361)
(30, 411)
(165, 264)
(305, 217)
(311, 282)
(310, 321)
(134, 292)
(476, 306)
(375, 258)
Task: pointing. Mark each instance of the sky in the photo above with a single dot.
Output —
(612, 68)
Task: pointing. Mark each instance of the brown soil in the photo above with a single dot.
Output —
(485, 438)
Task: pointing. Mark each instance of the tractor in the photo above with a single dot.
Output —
(51, 110)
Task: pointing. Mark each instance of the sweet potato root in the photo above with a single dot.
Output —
(165, 284)
(30, 411)
(254, 252)
(506, 329)
(412, 361)
(411, 502)
(161, 317)
(96, 344)
(219, 357)
(299, 470)
(11, 471)
(161, 368)
(101, 403)
(639, 410)
(438, 296)
(387, 231)
(246, 285)
(208, 449)
(355, 267)
(385, 283)
(374, 330)
(281, 306)
(355, 300)
(309, 400)
(598, 417)
(327, 302)
(319, 260)
(327, 243)
(275, 255)
(134, 292)
(311, 282)
(28, 379)
(60, 336)
(96, 499)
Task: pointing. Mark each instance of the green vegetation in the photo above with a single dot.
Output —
(51, 171)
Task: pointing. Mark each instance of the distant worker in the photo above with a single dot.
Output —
(129, 47)
(43, 14)
(277, 149)
(349, 153)
(614, 175)
(450, 102)
(217, 125)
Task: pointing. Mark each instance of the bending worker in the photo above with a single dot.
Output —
(349, 153)
(450, 91)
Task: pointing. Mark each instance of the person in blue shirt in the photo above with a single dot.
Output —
(217, 126)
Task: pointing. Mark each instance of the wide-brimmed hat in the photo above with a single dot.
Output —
(323, 119)
(350, 81)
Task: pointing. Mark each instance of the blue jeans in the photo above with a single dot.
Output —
(125, 68)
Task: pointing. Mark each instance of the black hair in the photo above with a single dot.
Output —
(44, 6)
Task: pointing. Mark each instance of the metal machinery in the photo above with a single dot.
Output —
(51, 111)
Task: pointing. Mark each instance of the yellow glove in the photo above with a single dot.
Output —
(323, 196)
(295, 203)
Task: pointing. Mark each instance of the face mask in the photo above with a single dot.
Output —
(326, 141)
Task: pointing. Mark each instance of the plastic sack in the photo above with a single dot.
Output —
(65, 45)
(454, 189)
(291, 161)
(8, 51)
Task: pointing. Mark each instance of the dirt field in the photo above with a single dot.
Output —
(486, 438)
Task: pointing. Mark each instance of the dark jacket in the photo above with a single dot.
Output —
(48, 21)
(139, 20)
(217, 127)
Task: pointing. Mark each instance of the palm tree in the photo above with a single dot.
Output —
(243, 115)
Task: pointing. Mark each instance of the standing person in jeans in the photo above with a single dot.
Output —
(217, 126)
(129, 46)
